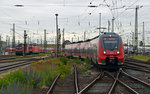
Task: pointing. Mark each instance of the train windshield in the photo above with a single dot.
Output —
(110, 43)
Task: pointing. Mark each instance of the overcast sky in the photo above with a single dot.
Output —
(74, 16)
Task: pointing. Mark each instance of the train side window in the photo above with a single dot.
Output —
(83, 51)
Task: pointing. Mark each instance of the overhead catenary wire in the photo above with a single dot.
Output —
(128, 7)
(118, 15)
(85, 18)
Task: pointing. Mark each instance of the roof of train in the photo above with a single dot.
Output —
(104, 34)
(83, 41)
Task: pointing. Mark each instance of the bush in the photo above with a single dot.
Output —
(32, 77)
(84, 69)
(12, 78)
(86, 60)
(76, 61)
(28, 76)
(47, 75)
(64, 69)
(64, 60)
(17, 88)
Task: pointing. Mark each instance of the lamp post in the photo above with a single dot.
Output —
(99, 23)
(113, 19)
(143, 39)
(56, 35)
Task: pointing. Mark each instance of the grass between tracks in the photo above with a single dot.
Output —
(141, 57)
(38, 75)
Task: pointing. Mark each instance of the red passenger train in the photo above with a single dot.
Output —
(10, 50)
(105, 50)
(31, 49)
(19, 49)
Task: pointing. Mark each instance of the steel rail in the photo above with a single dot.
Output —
(53, 84)
(16, 65)
(3, 60)
(11, 66)
(117, 80)
(138, 61)
(112, 87)
(19, 62)
(129, 88)
(76, 79)
(114, 83)
(138, 64)
(8, 58)
(135, 68)
(91, 83)
(147, 84)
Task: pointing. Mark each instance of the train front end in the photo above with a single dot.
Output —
(111, 51)
(19, 49)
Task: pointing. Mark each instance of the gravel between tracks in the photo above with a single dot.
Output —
(66, 86)
(135, 84)
(103, 85)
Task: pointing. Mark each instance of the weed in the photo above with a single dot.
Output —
(17, 88)
(86, 60)
(64, 60)
(47, 75)
(64, 69)
(33, 77)
(76, 61)
(12, 78)
(84, 69)
(141, 57)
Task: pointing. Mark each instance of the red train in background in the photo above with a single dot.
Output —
(31, 49)
(105, 50)
(10, 50)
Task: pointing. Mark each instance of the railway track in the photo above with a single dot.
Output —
(112, 83)
(137, 65)
(140, 86)
(146, 66)
(50, 90)
(69, 85)
(11, 59)
(132, 67)
(2, 56)
(86, 88)
(65, 87)
(109, 83)
(125, 88)
(81, 79)
(7, 58)
(105, 83)
(76, 80)
(18, 64)
(118, 82)
(138, 61)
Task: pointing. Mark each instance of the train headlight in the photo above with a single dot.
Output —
(104, 52)
(118, 52)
